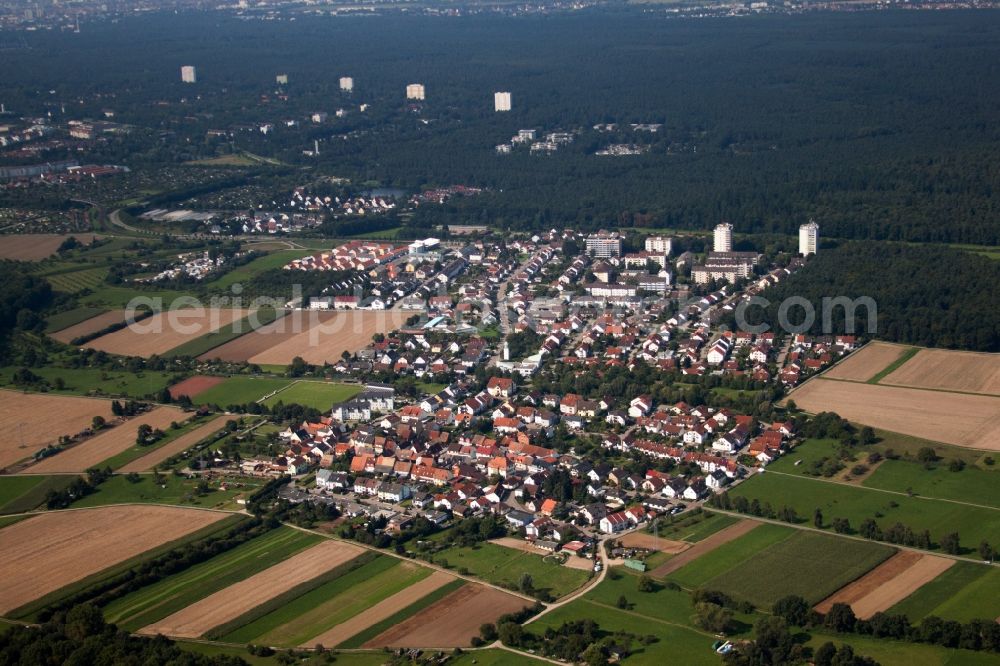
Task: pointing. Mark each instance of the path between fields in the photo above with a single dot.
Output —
(883, 490)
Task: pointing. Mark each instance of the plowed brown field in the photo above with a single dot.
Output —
(867, 362)
(326, 340)
(30, 421)
(949, 370)
(97, 449)
(46, 552)
(452, 621)
(89, 326)
(889, 583)
(952, 418)
(194, 386)
(164, 331)
(32, 247)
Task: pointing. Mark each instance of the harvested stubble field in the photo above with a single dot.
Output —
(647, 540)
(451, 622)
(174, 447)
(192, 387)
(949, 370)
(164, 331)
(888, 583)
(20, 414)
(953, 418)
(864, 364)
(382, 610)
(49, 551)
(89, 326)
(32, 247)
(270, 335)
(325, 338)
(706, 545)
(231, 602)
(92, 452)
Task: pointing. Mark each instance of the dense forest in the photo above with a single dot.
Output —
(932, 296)
(879, 125)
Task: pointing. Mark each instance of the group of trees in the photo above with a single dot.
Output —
(981, 634)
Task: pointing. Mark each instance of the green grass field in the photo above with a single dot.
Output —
(898, 653)
(25, 493)
(972, 484)
(320, 395)
(808, 564)
(61, 320)
(29, 611)
(335, 601)
(119, 297)
(980, 599)
(241, 390)
(856, 503)
(504, 566)
(247, 272)
(93, 381)
(695, 527)
(72, 282)
(929, 598)
(210, 341)
(725, 557)
(155, 602)
(174, 490)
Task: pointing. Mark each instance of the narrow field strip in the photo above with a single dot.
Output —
(235, 600)
(382, 610)
(890, 582)
(704, 546)
(174, 447)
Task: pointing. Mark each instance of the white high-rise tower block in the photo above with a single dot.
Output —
(808, 238)
(415, 91)
(188, 74)
(723, 241)
(347, 84)
(501, 101)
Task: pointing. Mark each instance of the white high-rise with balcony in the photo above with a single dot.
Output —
(188, 74)
(659, 244)
(415, 91)
(808, 238)
(723, 241)
(501, 101)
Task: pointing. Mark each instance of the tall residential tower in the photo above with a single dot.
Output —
(501, 101)
(808, 238)
(188, 74)
(723, 238)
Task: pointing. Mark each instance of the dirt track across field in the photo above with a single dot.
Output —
(89, 326)
(32, 247)
(174, 447)
(326, 340)
(30, 421)
(647, 540)
(452, 621)
(164, 331)
(192, 387)
(888, 583)
(231, 602)
(92, 452)
(864, 364)
(706, 545)
(952, 418)
(382, 610)
(49, 551)
(950, 370)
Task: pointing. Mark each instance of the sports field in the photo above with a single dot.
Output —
(240, 391)
(319, 395)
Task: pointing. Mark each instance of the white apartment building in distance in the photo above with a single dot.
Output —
(347, 84)
(281, 79)
(415, 91)
(659, 244)
(188, 74)
(808, 238)
(604, 245)
(723, 238)
(501, 101)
